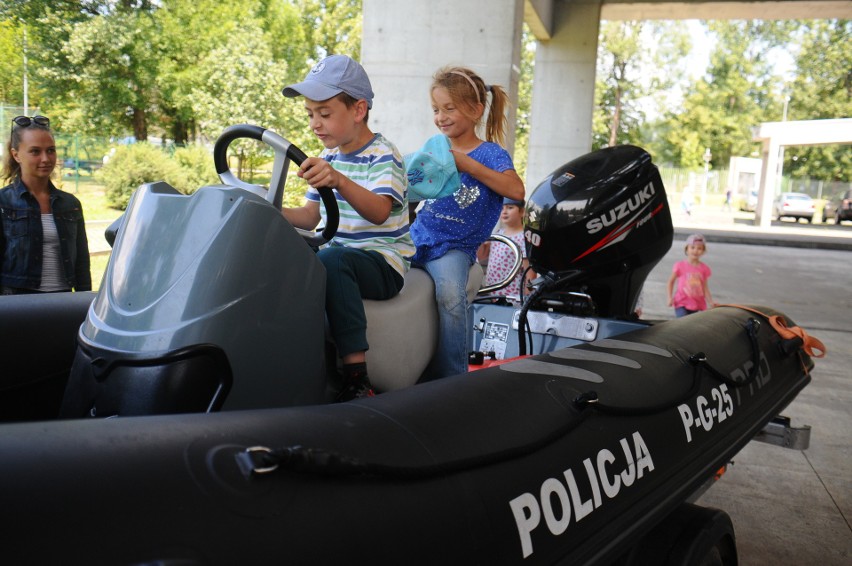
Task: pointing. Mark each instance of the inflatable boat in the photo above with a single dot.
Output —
(183, 414)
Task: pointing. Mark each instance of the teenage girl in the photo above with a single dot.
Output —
(448, 230)
(43, 245)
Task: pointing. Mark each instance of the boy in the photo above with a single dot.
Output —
(366, 259)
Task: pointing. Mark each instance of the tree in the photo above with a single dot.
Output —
(822, 89)
(114, 71)
(636, 60)
(332, 27)
(235, 89)
(189, 32)
(48, 24)
(522, 119)
(733, 96)
(12, 63)
(618, 90)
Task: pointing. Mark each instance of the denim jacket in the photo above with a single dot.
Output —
(21, 238)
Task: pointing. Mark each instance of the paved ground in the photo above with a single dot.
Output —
(792, 507)
(95, 233)
(738, 227)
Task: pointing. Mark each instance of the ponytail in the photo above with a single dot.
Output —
(496, 125)
(11, 168)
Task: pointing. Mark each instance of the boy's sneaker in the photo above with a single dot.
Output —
(357, 390)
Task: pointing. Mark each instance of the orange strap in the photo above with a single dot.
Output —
(809, 343)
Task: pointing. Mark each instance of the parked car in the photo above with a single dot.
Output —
(748, 203)
(795, 206)
(838, 209)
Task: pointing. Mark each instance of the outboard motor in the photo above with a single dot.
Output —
(595, 228)
(209, 301)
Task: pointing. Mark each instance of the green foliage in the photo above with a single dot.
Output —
(734, 95)
(822, 89)
(635, 61)
(197, 169)
(181, 66)
(332, 26)
(11, 64)
(523, 116)
(133, 165)
(185, 69)
(109, 68)
(617, 86)
(235, 90)
(240, 83)
(187, 169)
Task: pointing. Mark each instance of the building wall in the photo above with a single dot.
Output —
(405, 42)
(563, 93)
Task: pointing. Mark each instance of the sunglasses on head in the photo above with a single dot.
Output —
(26, 121)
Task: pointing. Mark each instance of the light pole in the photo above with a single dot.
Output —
(706, 157)
(779, 174)
(26, 81)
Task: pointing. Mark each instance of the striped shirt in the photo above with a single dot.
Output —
(52, 274)
(378, 168)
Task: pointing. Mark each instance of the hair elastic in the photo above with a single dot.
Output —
(470, 80)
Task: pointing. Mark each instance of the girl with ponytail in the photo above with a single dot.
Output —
(448, 230)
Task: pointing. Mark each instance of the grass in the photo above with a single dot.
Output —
(98, 267)
(98, 215)
(93, 197)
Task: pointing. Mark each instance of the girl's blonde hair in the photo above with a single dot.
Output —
(468, 91)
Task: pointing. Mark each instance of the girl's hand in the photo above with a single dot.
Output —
(319, 173)
(483, 252)
(669, 302)
(505, 184)
(464, 163)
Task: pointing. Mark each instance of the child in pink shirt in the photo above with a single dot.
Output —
(692, 294)
(500, 257)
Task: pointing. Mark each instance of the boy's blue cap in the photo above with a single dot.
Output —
(518, 203)
(431, 170)
(330, 77)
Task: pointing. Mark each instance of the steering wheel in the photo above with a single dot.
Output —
(284, 153)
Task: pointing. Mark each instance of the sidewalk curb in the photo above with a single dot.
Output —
(768, 238)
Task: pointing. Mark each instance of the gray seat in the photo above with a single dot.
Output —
(403, 331)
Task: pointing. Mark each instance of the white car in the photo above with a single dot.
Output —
(748, 203)
(795, 206)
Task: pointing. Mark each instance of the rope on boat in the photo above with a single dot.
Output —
(796, 336)
(259, 460)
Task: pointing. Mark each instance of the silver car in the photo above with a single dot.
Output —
(749, 202)
(795, 206)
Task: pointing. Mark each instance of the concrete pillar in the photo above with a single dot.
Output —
(776, 135)
(405, 42)
(564, 89)
(768, 175)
